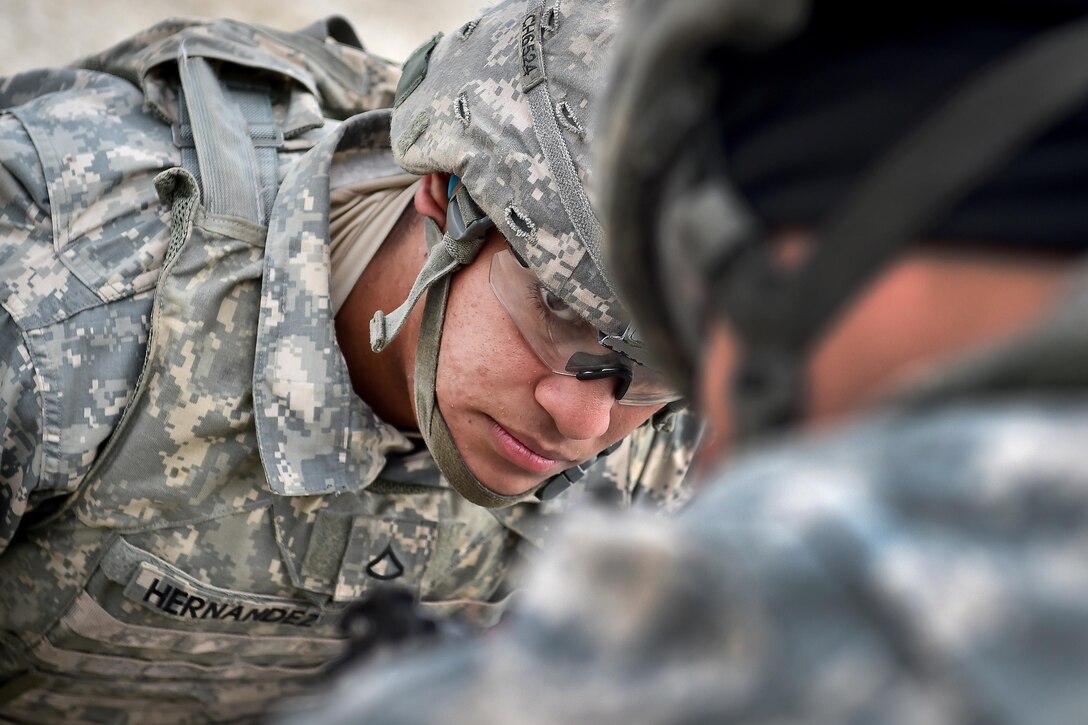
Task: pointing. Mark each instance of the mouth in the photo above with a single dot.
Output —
(522, 455)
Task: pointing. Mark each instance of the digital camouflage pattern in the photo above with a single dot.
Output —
(522, 77)
(190, 492)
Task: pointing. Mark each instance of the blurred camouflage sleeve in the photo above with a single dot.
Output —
(660, 463)
(22, 217)
(20, 429)
(649, 469)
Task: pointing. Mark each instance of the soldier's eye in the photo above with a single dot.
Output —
(557, 307)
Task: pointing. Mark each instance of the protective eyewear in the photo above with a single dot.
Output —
(566, 343)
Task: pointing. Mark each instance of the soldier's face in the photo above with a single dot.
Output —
(515, 422)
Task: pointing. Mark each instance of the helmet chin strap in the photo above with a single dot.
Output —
(467, 229)
(431, 423)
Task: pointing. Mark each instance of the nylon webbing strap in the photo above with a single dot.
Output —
(431, 424)
(265, 135)
(229, 139)
(567, 182)
(466, 230)
(183, 139)
(439, 265)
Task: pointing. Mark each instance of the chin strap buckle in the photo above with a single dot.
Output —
(560, 482)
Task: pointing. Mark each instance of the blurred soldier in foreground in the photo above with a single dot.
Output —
(866, 225)
(213, 437)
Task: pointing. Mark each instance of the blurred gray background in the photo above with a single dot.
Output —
(36, 33)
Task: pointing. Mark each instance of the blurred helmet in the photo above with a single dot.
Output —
(872, 125)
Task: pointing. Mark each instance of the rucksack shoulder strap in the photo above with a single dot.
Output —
(233, 92)
(331, 76)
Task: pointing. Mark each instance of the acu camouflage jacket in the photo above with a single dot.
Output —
(190, 491)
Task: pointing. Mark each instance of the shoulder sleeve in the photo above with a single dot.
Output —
(24, 225)
(650, 468)
(20, 429)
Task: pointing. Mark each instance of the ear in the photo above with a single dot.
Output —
(431, 200)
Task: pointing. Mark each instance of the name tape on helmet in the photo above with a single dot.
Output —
(532, 53)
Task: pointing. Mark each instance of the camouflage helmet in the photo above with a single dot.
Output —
(504, 104)
(702, 78)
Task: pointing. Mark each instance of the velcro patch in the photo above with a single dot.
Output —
(532, 53)
(415, 70)
(166, 594)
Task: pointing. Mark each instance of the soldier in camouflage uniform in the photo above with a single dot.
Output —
(831, 210)
(202, 465)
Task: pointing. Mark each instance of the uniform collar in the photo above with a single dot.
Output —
(315, 434)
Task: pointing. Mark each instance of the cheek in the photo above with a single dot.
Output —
(477, 345)
(625, 418)
(463, 364)
(481, 352)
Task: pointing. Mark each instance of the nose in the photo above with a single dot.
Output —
(581, 409)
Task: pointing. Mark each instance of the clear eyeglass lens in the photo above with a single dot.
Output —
(556, 333)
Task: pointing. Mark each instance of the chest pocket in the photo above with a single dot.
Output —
(137, 599)
(343, 546)
(421, 537)
(145, 631)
